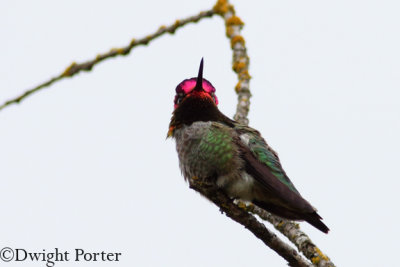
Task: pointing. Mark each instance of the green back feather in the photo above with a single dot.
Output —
(265, 154)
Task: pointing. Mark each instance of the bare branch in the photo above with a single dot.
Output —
(75, 68)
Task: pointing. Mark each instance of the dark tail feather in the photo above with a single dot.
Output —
(315, 220)
(312, 218)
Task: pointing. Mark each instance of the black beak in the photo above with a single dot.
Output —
(199, 82)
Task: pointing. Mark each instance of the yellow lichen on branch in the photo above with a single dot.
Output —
(319, 256)
(68, 71)
(222, 7)
(234, 20)
(238, 66)
(244, 75)
(237, 39)
(238, 86)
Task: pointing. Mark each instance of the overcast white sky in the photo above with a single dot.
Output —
(85, 164)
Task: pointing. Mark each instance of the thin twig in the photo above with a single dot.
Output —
(75, 68)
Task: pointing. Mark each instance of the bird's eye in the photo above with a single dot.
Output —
(179, 98)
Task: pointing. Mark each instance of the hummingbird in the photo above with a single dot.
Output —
(234, 156)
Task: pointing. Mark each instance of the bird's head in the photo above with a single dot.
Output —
(196, 88)
(195, 100)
